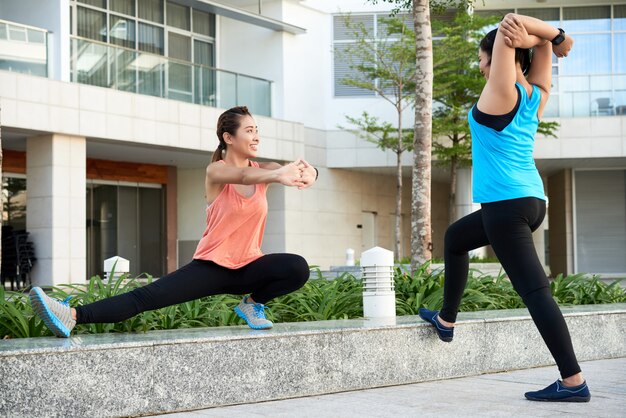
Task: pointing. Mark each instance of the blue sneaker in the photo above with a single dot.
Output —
(556, 392)
(445, 333)
(253, 314)
(56, 314)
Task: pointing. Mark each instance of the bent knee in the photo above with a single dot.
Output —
(299, 270)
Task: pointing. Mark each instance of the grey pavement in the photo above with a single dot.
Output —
(489, 395)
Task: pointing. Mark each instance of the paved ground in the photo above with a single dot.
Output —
(490, 395)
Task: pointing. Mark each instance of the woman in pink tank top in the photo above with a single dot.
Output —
(228, 258)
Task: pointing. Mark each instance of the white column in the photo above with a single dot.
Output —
(464, 203)
(56, 207)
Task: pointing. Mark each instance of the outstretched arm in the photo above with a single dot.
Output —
(288, 175)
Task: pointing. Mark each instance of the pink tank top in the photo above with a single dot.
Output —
(235, 226)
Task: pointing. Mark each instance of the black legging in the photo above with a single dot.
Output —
(508, 225)
(270, 276)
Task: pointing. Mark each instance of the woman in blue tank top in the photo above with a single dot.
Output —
(507, 185)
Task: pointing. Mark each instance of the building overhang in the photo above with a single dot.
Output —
(242, 15)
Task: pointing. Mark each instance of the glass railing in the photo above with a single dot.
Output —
(23, 49)
(587, 95)
(105, 65)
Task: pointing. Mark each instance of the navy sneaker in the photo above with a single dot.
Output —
(556, 392)
(445, 333)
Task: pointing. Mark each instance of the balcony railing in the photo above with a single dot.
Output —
(587, 95)
(23, 49)
(106, 65)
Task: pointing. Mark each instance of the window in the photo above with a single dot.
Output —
(548, 15)
(178, 16)
(151, 10)
(14, 202)
(126, 7)
(619, 17)
(98, 3)
(122, 31)
(150, 39)
(91, 24)
(204, 23)
(343, 37)
(587, 19)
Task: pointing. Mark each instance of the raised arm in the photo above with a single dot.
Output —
(528, 32)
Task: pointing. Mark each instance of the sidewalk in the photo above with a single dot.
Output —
(490, 395)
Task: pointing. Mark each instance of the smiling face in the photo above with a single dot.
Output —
(246, 139)
(484, 63)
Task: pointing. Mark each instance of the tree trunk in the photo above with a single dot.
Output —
(398, 235)
(421, 240)
(452, 201)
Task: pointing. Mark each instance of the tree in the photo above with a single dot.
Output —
(456, 88)
(385, 66)
(421, 231)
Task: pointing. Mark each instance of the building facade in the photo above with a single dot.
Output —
(108, 113)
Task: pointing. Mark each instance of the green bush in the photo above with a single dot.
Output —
(319, 299)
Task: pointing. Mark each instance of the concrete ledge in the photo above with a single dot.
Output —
(165, 371)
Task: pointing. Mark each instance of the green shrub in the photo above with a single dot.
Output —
(319, 299)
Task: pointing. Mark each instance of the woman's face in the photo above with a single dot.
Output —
(483, 63)
(246, 139)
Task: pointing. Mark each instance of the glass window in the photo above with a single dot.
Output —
(341, 31)
(91, 24)
(122, 31)
(14, 202)
(126, 7)
(3, 31)
(150, 39)
(591, 55)
(150, 10)
(494, 12)
(178, 16)
(342, 71)
(619, 17)
(204, 23)
(98, 3)
(548, 15)
(179, 46)
(36, 37)
(587, 19)
(203, 53)
(620, 53)
(17, 33)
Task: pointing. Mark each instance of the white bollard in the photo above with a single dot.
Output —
(349, 257)
(115, 267)
(379, 296)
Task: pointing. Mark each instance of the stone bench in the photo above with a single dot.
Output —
(177, 370)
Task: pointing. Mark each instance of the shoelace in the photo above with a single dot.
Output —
(259, 310)
(66, 301)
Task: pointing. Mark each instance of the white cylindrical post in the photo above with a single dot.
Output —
(379, 296)
(349, 257)
(115, 267)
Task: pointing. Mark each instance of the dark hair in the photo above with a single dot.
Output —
(228, 121)
(521, 55)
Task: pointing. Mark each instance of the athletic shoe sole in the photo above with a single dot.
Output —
(243, 316)
(37, 300)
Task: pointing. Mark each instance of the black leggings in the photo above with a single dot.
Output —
(270, 276)
(508, 225)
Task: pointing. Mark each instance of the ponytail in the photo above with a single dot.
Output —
(228, 122)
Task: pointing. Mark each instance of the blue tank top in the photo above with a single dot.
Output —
(503, 163)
